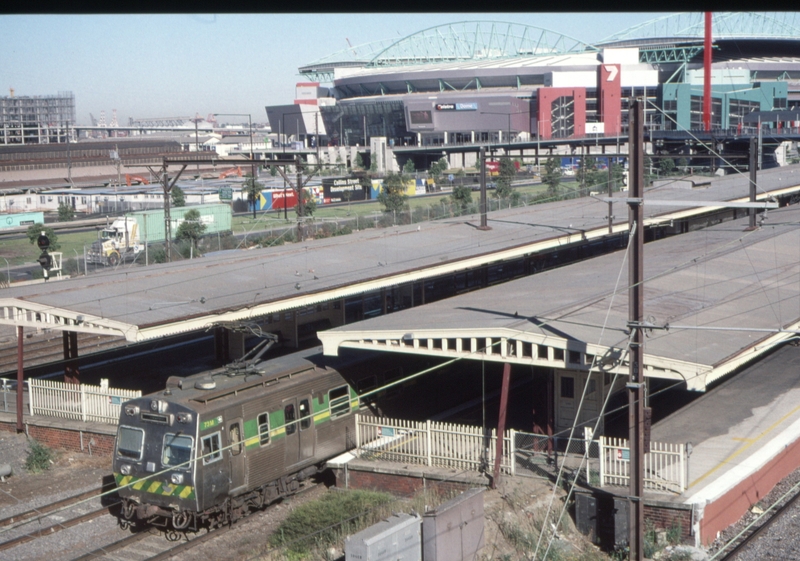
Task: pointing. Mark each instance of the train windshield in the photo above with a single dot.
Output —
(129, 442)
(177, 450)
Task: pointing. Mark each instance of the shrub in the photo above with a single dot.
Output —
(39, 459)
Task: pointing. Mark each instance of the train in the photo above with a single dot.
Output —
(211, 447)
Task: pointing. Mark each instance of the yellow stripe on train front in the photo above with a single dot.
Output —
(186, 492)
(154, 486)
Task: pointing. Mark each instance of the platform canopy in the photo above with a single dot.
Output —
(143, 303)
(716, 298)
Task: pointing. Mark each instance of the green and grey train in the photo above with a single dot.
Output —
(209, 448)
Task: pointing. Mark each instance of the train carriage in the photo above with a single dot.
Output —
(208, 448)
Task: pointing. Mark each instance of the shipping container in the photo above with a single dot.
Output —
(215, 217)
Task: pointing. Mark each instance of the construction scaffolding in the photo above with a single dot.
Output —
(46, 119)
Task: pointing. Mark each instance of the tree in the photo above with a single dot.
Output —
(438, 168)
(191, 229)
(273, 171)
(617, 176)
(309, 204)
(552, 175)
(408, 167)
(359, 161)
(588, 174)
(506, 174)
(393, 195)
(178, 197)
(35, 229)
(373, 165)
(253, 190)
(461, 196)
(683, 163)
(666, 166)
(65, 212)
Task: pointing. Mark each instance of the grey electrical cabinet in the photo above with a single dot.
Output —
(454, 530)
(395, 539)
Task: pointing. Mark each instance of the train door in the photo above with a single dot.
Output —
(306, 427)
(236, 455)
(292, 434)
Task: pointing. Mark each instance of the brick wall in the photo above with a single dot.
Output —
(399, 485)
(664, 518)
(68, 439)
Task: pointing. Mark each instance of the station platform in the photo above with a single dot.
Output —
(745, 437)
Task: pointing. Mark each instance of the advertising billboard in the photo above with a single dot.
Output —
(342, 189)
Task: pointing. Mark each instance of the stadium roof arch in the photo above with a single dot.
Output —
(465, 41)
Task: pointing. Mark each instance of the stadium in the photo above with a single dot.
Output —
(449, 88)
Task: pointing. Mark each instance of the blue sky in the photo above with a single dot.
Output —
(179, 65)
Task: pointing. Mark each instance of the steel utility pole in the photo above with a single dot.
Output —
(635, 384)
(482, 163)
(300, 201)
(753, 174)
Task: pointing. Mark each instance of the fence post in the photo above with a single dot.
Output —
(358, 434)
(30, 395)
(428, 441)
(684, 465)
(512, 453)
(83, 404)
(602, 444)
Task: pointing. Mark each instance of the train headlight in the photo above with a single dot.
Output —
(158, 406)
(125, 469)
(176, 478)
(184, 417)
(131, 410)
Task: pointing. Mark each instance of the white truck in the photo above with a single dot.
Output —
(116, 242)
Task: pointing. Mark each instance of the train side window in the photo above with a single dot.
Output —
(288, 418)
(211, 448)
(235, 439)
(130, 442)
(366, 384)
(305, 414)
(339, 401)
(263, 429)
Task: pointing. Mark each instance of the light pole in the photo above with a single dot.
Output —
(252, 159)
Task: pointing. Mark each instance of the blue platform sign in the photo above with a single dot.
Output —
(467, 106)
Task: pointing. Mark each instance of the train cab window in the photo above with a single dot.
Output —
(177, 450)
(130, 442)
(235, 439)
(305, 414)
(211, 448)
(339, 401)
(288, 418)
(263, 429)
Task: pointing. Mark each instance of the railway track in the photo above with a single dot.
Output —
(50, 349)
(777, 536)
(82, 512)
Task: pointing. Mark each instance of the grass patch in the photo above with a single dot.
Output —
(40, 458)
(320, 524)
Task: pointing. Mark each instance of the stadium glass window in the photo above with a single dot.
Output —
(288, 419)
(339, 401)
(263, 429)
(235, 439)
(130, 442)
(177, 450)
(211, 448)
(567, 387)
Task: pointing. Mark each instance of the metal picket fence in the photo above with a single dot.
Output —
(665, 465)
(431, 443)
(80, 402)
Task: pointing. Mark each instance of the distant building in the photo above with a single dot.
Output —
(37, 119)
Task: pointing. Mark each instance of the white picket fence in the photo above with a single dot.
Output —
(81, 402)
(665, 466)
(433, 444)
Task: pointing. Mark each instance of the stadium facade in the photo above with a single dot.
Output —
(498, 82)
